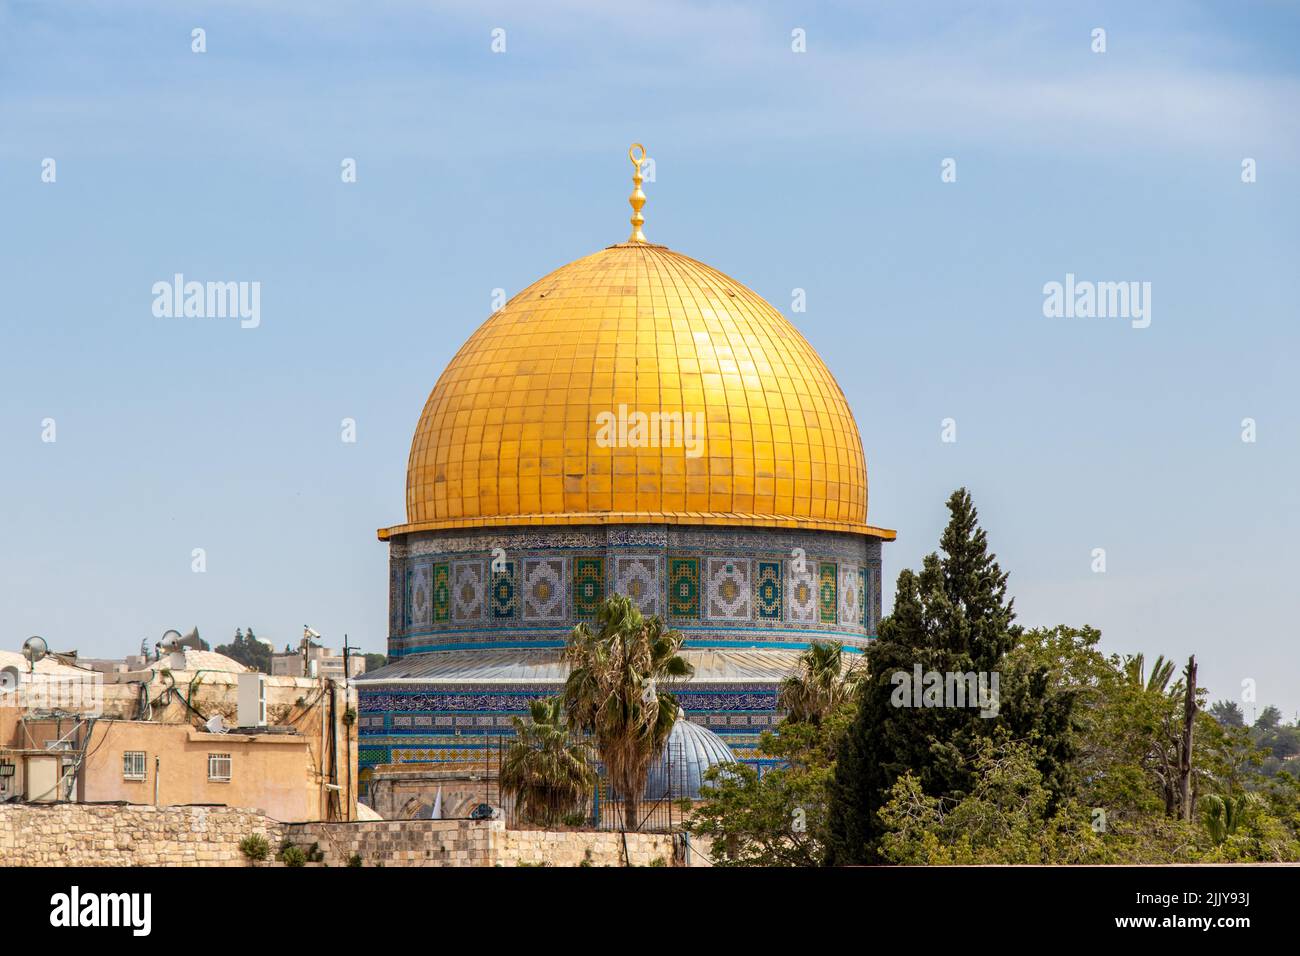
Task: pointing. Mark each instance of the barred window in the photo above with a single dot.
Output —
(218, 766)
(133, 765)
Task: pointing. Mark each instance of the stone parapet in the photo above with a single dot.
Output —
(73, 834)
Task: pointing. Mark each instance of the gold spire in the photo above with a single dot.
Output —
(637, 199)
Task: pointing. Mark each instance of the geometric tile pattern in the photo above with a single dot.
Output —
(875, 584)
(862, 596)
(767, 591)
(803, 593)
(588, 586)
(735, 587)
(826, 593)
(849, 593)
(467, 591)
(544, 589)
(420, 595)
(407, 598)
(401, 704)
(729, 591)
(435, 726)
(684, 588)
(505, 595)
(396, 598)
(638, 578)
(441, 593)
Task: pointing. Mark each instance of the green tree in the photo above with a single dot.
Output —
(822, 683)
(778, 818)
(375, 661)
(1222, 817)
(954, 617)
(1007, 818)
(1125, 729)
(1227, 713)
(545, 770)
(1279, 740)
(613, 692)
(248, 650)
(1270, 718)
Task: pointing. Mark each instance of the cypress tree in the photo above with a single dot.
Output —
(954, 617)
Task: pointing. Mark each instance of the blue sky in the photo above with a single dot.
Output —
(817, 171)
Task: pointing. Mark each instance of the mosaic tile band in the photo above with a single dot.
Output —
(744, 586)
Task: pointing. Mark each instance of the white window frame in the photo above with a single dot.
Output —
(137, 758)
(214, 763)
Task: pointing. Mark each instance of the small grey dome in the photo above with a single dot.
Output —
(690, 751)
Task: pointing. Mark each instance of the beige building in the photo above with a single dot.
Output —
(192, 728)
(320, 661)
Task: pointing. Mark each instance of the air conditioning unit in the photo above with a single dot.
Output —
(252, 700)
(41, 778)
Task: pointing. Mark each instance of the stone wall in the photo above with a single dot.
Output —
(399, 842)
(578, 848)
(72, 834)
(78, 834)
(477, 843)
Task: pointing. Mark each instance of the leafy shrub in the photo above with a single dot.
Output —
(293, 856)
(255, 847)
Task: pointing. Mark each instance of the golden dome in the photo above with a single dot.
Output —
(637, 385)
(535, 420)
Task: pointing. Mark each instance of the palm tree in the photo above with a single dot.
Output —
(1223, 816)
(1161, 672)
(821, 683)
(548, 774)
(613, 692)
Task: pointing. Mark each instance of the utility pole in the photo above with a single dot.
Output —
(350, 805)
(1185, 750)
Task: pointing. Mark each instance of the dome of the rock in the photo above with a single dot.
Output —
(638, 423)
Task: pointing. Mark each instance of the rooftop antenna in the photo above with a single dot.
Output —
(308, 634)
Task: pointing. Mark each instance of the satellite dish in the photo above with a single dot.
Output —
(35, 649)
(216, 725)
(10, 678)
